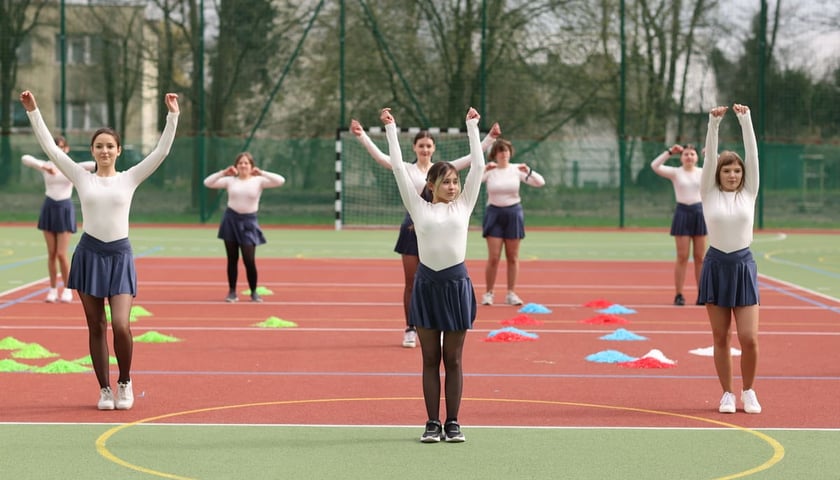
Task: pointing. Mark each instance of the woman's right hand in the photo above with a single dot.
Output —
(231, 171)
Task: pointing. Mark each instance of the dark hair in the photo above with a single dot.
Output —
(423, 134)
(728, 157)
(437, 173)
(60, 141)
(689, 146)
(500, 144)
(109, 131)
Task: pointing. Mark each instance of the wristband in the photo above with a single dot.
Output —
(529, 173)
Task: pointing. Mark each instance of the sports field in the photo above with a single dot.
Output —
(314, 383)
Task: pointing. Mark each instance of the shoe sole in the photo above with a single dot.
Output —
(124, 407)
(752, 411)
(460, 439)
(105, 407)
(409, 345)
(727, 410)
(429, 439)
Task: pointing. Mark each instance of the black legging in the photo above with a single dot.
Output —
(450, 353)
(248, 258)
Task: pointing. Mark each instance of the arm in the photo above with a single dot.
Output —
(658, 163)
(407, 192)
(142, 170)
(89, 166)
(270, 180)
(707, 180)
(486, 144)
(65, 164)
(371, 147)
(472, 185)
(528, 176)
(32, 162)
(751, 176)
(217, 180)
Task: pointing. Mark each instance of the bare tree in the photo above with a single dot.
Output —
(17, 20)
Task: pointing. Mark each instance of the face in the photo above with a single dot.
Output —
(424, 148)
(105, 150)
(688, 158)
(243, 166)
(730, 177)
(448, 189)
(502, 155)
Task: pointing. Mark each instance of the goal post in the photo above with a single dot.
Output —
(366, 194)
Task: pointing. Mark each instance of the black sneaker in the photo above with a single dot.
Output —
(679, 300)
(433, 433)
(231, 297)
(453, 432)
(255, 297)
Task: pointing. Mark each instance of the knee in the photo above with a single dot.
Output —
(721, 340)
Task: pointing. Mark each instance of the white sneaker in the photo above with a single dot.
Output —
(513, 299)
(750, 401)
(487, 299)
(125, 396)
(727, 403)
(66, 295)
(52, 296)
(106, 399)
(410, 338)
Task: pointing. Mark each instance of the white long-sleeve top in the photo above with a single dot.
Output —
(686, 182)
(730, 215)
(56, 185)
(441, 227)
(418, 177)
(244, 194)
(105, 201)
(503, 184)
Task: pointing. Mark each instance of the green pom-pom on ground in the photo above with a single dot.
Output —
(155, 337)
(260, 291)
(11, 343)
(89, 361)
(33, 350)
(61, 366)
(275, 322)
(9, 365)
(136, 311)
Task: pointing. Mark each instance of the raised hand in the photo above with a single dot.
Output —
(496, 130)
(675, 149)
(356, 128)
(171, 100)
(27, 98)
(385, 116)
(473, 114)
(719, 111)
(740, 109)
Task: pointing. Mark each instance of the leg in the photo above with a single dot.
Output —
(494, 253)
(410, 263)
(683, 243)
(699, 251)
(51, 239)
(720, 319)
(453, 349)
(232, 251)
(62, 244)
(97, 336)
(431, 350)
(512, 258)
(746, 324)
(249, 254)
(123, 341)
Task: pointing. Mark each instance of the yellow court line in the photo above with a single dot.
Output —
(102, 449)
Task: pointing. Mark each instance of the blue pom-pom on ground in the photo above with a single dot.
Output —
(534, 308)
(610, 356)
(623, 334)
(617, 309)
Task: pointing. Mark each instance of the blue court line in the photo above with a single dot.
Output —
(801, 298)
(21, 263)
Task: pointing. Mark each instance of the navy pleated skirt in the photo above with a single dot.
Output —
(729, 279)
(57, 216)
(443, 300)
(407, 240)
(241, 228)
(688, 221)
(504, 222)
(103, 269)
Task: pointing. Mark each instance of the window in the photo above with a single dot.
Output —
(81, 49)
(83, 116)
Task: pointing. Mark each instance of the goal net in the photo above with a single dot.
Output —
(366, 192)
